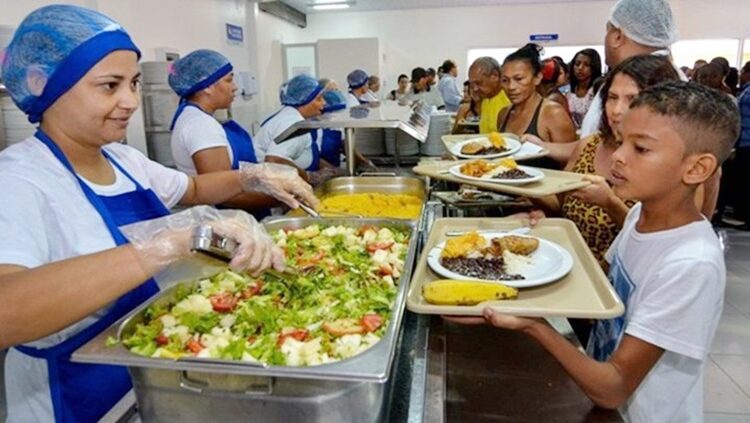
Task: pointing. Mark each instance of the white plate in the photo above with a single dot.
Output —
(536, 175)
(549, 263)
(512, 145)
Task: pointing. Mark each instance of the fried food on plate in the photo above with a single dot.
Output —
(516, 244)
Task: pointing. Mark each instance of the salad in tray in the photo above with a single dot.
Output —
(334, 303)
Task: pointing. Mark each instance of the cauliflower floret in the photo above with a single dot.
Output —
(195, 303)
(181, 331)
(380, 257)
(168, 321)
(205, 285)
(347, 345)
(303, 353)
(369, 236)
(228, 320)
(388, 279)
(227, 285)
(306, 233)
(384, 235)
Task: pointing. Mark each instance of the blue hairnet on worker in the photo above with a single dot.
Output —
(52, 49)
(300, 90)
(335, 100)
(357, 79)
(196, 71)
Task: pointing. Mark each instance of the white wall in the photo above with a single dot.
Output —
(425, 37)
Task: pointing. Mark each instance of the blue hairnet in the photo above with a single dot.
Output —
(357, 78)
(647, 22)
(197, 71)
(52, 50)
(335, 100)
(300, 90)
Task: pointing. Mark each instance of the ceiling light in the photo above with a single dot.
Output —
(331, 5)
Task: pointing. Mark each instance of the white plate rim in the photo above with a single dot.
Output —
(513, 147)
(433, 261)
(537, 175)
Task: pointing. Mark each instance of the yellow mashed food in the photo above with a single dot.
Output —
(400, 206)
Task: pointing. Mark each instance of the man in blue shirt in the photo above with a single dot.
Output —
(448, 87)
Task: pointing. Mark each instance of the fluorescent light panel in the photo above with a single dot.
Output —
(331, 4)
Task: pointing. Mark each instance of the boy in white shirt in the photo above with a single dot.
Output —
(666, 264)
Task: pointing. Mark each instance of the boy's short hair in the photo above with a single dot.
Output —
(709, 120)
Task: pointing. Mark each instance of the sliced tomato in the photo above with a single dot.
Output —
(379, 246)
(223, 303)
(308, 263)
(343, 327)
(161, 340)
(371, 322)
(385, 270)
(251, 339)
(194, 346)
(300, 335)
(364, 228)
(252, 290)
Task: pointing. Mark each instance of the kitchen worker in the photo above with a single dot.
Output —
(301, 98)
(359, 90)
(484, 79)
(204, 80)
(69, 272)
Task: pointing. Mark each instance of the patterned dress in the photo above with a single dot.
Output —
(596, 226)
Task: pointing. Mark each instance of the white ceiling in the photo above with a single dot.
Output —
(372, 5)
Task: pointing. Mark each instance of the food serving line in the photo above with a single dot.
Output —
(422, 369)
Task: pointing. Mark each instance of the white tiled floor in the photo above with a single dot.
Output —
(727, 388)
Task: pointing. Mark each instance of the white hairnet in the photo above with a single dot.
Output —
(647, 22)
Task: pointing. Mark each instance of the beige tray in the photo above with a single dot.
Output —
(450, 140)
(554, 182)
(584, 293)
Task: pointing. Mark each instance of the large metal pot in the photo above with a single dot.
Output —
(220, 390)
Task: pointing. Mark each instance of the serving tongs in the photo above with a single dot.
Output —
(314, 214)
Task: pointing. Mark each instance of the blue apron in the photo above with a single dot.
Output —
(239, 139)
(85, 392)
(315, 164)
(331, 145)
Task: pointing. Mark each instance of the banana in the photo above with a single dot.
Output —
(453, 292)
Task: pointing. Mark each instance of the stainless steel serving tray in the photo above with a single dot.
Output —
(372, 365)
(385, 184)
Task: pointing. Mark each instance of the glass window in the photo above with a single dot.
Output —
(745, 52)
(686, 52)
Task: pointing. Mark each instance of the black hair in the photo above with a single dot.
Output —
(645, 71)
(466, 83)
(431, 71)
(732, 79)
(560, 62)
(402, 76)
(530, 54)
(708, 120)
(723, 63)
(746, 67)
(596, 67)
(448, 66)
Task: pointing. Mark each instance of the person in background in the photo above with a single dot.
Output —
(563, 81)
(419, 90)
(373, 86)
(741, 166)
(301, 98)
(402, 89)
(358, 90)
(587, 69)
(551, 72)
(666, 264)
(448, 86)
(485, 83)
(712, 76)
(732, 80)
(432, 95)
(744, 77)
(70, 190)
(204, 81)
(468, 111)
(697, 65)
(529, 112)
(634, 27)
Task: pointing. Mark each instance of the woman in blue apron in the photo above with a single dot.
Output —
(301, 98)
(332, 143)
(66, 270)
(204, 81)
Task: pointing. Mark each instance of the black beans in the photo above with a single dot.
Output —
(512, 174)
(480, 268)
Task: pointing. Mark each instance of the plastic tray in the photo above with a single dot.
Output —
(584, 293)
(554, 182)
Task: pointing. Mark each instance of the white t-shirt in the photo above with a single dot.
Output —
(297, 149)
(194, 131)
(48, 219)
(352, 100)
(672, 285)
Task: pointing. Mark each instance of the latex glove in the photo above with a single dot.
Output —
(279, 181)
(160, 242)
(599, 193)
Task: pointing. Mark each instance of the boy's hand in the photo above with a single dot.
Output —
(497, 319)
(599, 193)
(530, 218)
